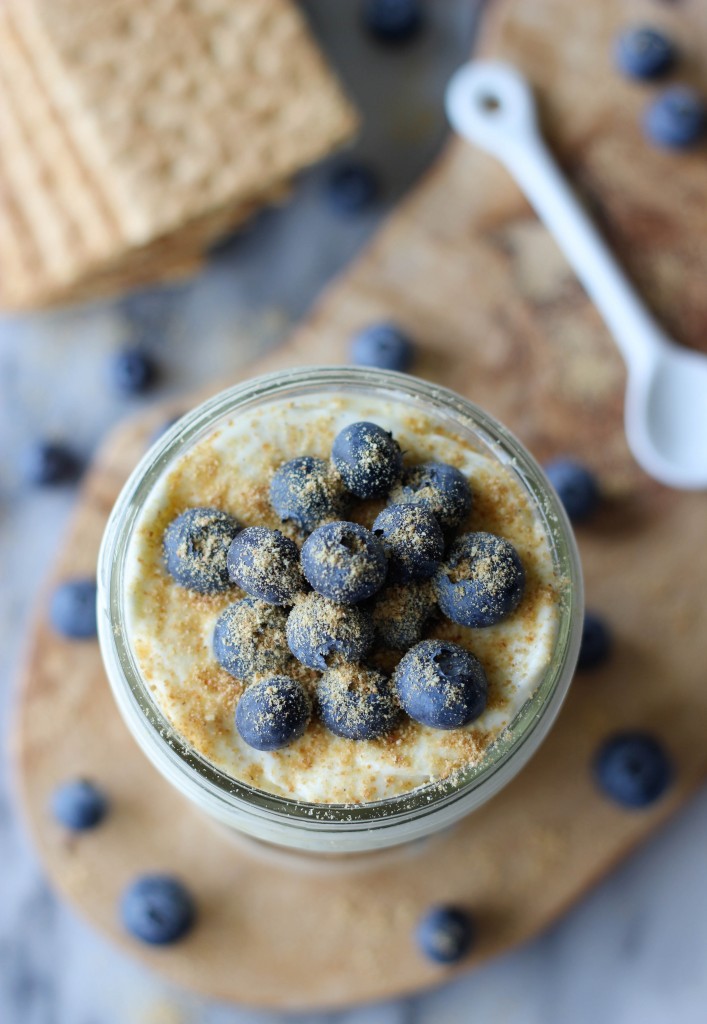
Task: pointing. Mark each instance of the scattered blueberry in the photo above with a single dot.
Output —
(357, 703)
(79, 805)
(576, 486)
(677, 118)
(392, 21)
(265, 564)
(596, 641)
(196, 547)
(445, 934)
(157, 909)
(368, 459)
(319, 630)
(441, 685)
(249, 638)
(399, 614)
(133, 372)
(352, 187)
(307, 492)
(633, 769)
(644, 52)
(441, 488)
(273, 713)
(72, 609)
(412, 540)
(47, 463)
(481, 582)
(385, 346)
(344, 562)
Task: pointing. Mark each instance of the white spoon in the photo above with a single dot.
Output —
(491, 104)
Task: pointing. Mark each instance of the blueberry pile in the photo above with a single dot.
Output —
(348, 594)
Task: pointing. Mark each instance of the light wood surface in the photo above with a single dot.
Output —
(465, 266)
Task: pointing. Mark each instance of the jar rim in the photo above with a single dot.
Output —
(264, 814)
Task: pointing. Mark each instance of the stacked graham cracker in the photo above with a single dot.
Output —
(135, 132)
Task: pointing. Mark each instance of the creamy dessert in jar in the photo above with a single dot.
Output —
(340, 598)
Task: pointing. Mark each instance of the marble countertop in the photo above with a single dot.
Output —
(633, 950)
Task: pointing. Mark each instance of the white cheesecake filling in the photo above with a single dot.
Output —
(170, 629)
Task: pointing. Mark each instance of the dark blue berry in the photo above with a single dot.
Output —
(307, 492)
(133, 371)
(596, 641)
(392, 21)
(344, 562)
(576, 487)
(72, 609)
(357, 703)
(399, 614)
(445, 934)
(677, 119)
(47, 463)
(157, 909)
(265, 564)
(412, 540)
(249, 639)
(481, 581)
(320, 631)
(196, 547)
(352, 187)
(273, 713)
(633, 769)
(368, 459)
(644, 52)
(441, 685)
(441, 488)
(79, 805)
(384, 346)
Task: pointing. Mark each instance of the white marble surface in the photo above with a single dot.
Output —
(633, 952)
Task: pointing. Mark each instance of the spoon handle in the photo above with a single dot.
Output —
(492, 105)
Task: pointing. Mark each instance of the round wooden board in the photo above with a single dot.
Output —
(341, 933)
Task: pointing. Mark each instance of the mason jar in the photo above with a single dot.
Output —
(318, 827)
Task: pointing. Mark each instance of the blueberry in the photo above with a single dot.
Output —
(633, 769)
(368, 459)
(412, 540)
(319, 630)
(357, 703)
(352, 187)
(576, 487)
(344, 562)
(47, 463)
(596, 641)
(250, 639)
(441, 685)
(157, 909)
(79, 805)
(392, 21)
(133, 372)
(273, 713)
(308, 492)
(677, 119)
(385, 346)
(196, 546)
(399, 614)
(72, 609)
(445, 934)
(441, 488)
(644, 52)
(265, 564)
(481, 582)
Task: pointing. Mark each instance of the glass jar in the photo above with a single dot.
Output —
(336, 828)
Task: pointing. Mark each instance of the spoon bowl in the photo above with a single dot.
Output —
(491, 104)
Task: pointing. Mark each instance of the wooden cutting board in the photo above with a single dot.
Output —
(465, 266)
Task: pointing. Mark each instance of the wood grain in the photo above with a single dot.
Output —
(466, 267)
